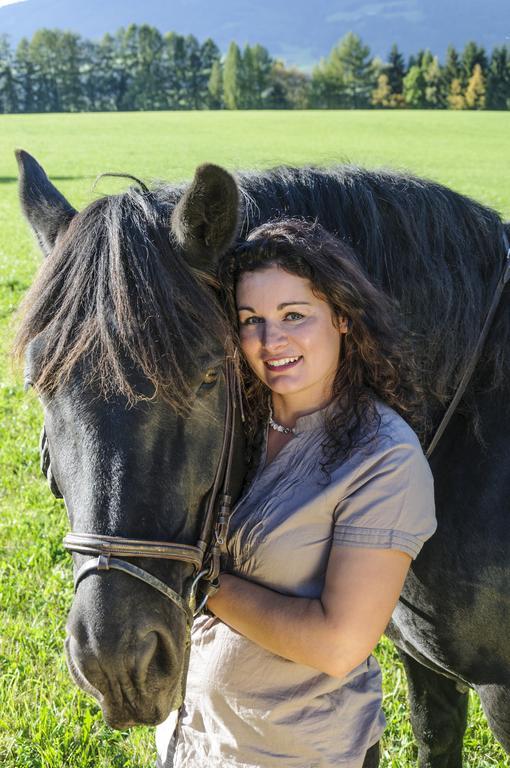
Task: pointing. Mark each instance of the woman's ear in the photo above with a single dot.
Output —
(343, 324)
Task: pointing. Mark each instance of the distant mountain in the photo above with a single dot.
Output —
(299, 31)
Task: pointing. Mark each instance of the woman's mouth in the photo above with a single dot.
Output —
(283, 363)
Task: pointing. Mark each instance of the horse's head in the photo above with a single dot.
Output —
(124, 341)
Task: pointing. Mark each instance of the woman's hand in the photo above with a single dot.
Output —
(333, 634)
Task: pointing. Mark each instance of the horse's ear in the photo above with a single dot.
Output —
(45, 208)
(205, 221)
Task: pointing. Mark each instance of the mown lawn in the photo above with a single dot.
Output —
(44, 721)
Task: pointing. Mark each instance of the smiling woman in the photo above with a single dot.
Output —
(339, 502)
(291, 338)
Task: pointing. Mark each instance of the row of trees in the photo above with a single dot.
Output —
(139, 68)
(471, 80)
(136, 69)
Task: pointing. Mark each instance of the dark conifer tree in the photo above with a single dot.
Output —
(176, 63)
(194, 85)
(8, 92)
(209, 57)
(25, 76)
(395, 70)
(143, 50)
(452, 67)
(262, 65)
(471, 55)
(498, 79)
(70, 64)
(107, 76)
(128, 55)
(44, 56)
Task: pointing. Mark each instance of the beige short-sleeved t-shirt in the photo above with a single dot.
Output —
(248, 708)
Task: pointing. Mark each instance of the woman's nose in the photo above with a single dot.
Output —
(273, 336)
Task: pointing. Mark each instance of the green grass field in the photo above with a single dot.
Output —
(45, 722)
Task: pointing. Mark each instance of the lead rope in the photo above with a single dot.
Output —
(503, 280)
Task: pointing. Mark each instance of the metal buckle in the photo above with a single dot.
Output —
(103, 563)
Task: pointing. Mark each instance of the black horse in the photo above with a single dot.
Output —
(124, 338)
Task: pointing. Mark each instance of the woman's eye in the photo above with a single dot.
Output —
(294, 316)
(251, 320)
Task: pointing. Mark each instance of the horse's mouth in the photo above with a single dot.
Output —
(77, 675)
(120, 712)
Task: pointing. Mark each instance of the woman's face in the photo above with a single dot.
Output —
(289, 336)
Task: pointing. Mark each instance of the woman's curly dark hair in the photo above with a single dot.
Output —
(377, 361)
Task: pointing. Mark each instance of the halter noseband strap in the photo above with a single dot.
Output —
(106, 563)
(92, 544)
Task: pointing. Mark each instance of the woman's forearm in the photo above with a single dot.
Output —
(293, 627)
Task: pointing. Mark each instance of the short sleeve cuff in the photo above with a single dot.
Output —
(377, 538)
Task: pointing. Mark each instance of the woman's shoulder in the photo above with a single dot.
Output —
(388, 490)
(388, 444)
(392, 430)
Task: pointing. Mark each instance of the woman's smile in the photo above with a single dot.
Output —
(283, 363)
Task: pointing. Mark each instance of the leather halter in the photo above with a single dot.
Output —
(204, 556)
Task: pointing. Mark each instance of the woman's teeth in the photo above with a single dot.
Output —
(282, 362)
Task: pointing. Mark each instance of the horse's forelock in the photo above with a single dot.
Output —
(116, 293)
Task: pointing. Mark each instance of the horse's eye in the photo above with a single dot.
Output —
(211, 377)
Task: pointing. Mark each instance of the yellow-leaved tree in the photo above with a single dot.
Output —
(475, 91)
(456, 98)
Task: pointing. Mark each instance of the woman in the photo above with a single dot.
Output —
(338, 501)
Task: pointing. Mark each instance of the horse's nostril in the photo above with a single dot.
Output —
(146, 651)
(153, 656)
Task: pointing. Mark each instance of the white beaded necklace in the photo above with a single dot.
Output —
(279, 427)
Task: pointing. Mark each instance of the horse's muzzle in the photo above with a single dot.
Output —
(132, 668)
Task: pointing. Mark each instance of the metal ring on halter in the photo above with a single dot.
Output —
(193, 587)
(200, 608)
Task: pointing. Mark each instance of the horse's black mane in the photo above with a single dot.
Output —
(117, 284)
(437, 252)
